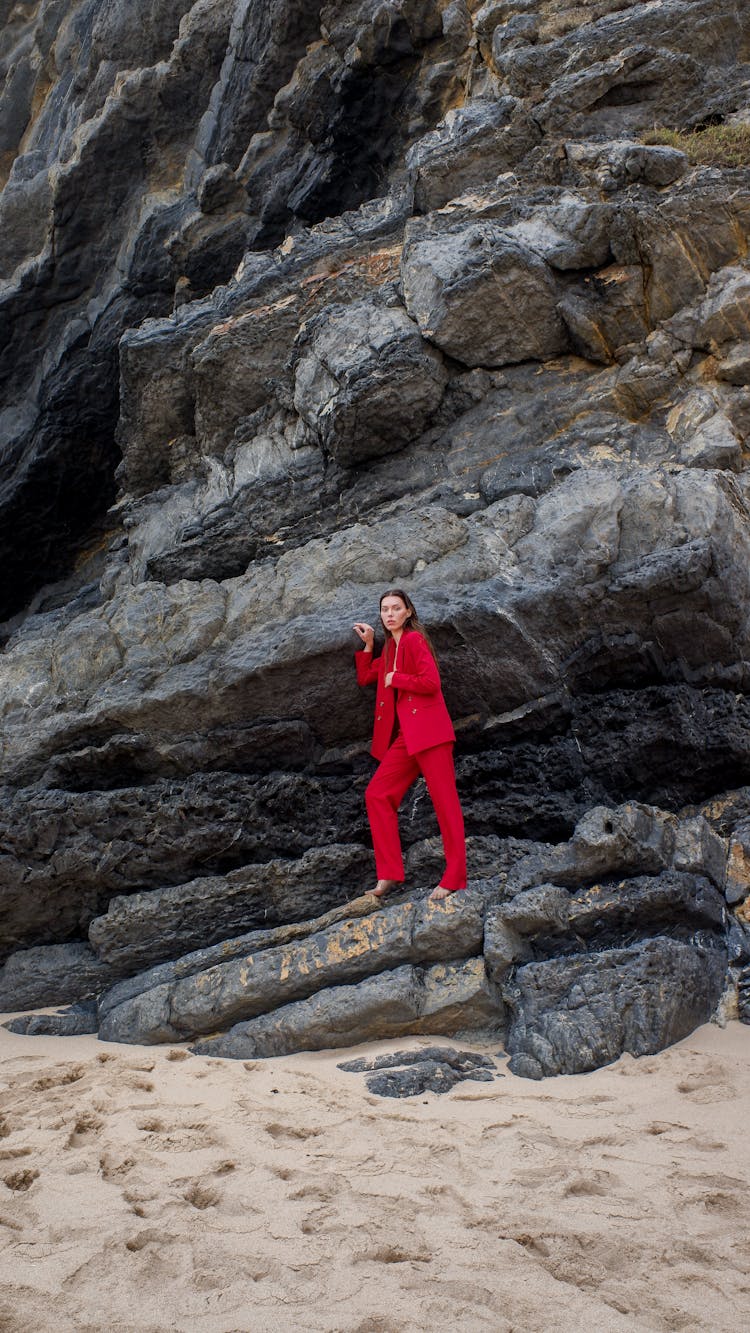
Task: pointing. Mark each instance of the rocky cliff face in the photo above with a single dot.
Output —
(302, 301)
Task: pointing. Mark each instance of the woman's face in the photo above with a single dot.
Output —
(393, 613)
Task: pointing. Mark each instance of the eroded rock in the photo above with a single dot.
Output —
(366, 382)
(575, 1014)
(448, 999)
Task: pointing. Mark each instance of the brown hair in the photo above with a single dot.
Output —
(412, 621)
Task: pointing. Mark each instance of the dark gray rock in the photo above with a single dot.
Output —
(743, 995)
(448, 999)
(432, 1069)
(146, 928)
(430, 1076)
(77, 1021)
(615, 165)
(473, 145)
(78, 849)
(629, 840)
(575, 1014)
(447, 1055)
(366, 382)
(52, 974)
(547, 449)
(480, 295)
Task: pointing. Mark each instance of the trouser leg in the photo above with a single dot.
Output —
(439, 774)
(383, 796)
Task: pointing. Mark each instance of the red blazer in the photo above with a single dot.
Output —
(422, 712)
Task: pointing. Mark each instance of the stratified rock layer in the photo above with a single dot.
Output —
(302, 302)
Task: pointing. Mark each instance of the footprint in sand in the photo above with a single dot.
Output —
(202, 1195)
(697, 1089)
(290, 1133)
(60, 1079)
(322, 1189)
(596, 1183)
(22, 1180)
(87, 1125)
(114, 1167)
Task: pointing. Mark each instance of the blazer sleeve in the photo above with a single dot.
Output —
(367, 667)
(425, 678)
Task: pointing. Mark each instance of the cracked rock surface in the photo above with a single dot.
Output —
(305, 301)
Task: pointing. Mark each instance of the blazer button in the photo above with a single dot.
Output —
(413, 710)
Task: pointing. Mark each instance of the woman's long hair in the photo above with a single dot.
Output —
(412, 621)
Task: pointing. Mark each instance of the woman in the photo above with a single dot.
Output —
(413, 734)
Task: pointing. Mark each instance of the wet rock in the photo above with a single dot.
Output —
(259, 982)
(575, 1014)
(448, 999)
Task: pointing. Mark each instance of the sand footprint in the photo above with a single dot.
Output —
(21, 1180)
(87, 1125)
(291, 1133)
(200, 1194)
(595, 1183)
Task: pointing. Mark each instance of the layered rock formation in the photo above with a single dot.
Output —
(305, 301)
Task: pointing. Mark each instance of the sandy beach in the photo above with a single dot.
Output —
(146, 1189)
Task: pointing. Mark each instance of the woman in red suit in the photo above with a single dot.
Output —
(413, 734)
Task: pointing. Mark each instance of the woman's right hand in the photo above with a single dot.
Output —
(366, 634)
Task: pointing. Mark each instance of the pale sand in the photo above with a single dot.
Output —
(171, 1192)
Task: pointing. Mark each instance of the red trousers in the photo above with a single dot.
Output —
(393, 778)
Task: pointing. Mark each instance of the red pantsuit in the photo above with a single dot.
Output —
(413, 734)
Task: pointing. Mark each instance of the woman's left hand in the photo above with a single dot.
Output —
(389, 678)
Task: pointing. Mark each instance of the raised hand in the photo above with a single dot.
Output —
(366, 633)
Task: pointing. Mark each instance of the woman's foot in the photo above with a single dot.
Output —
(383, 887)
(439, 893)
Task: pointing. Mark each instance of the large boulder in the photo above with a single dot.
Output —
(366, 382)
(574, 1014)
(480, 295)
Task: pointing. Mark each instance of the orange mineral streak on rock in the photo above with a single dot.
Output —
(738, 875)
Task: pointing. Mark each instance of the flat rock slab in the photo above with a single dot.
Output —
(444, 1000)
(349, 951)
(434, 1069)
(146, 928)
(199, 960)
(76, 1021)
